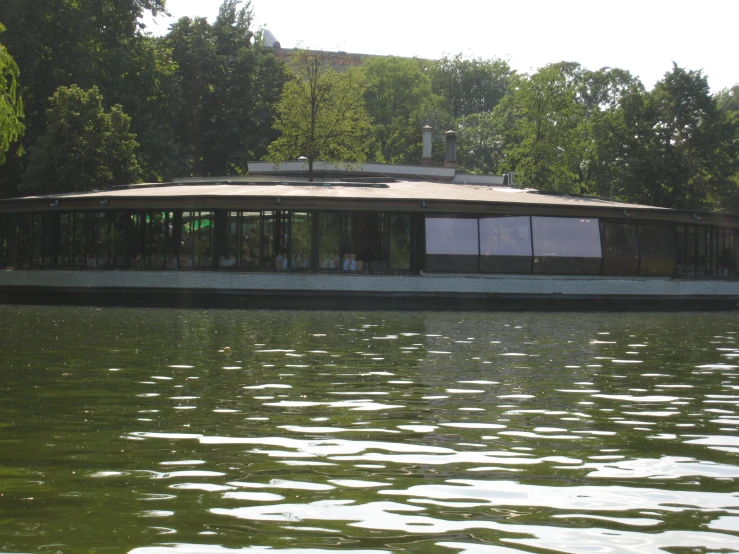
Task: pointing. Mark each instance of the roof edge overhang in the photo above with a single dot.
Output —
(107, 202)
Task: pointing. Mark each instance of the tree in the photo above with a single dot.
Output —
(321, 114)
(479, 145)
(64, 42)
(613, 100)
(399, 101)
(247, 82)
(543, 128)
(149, 91)
(230, 88)
(84, 147)
(728, 100)
(682, 151)
(470, 85)
(11, 105)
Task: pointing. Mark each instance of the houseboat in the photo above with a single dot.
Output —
(368, 236)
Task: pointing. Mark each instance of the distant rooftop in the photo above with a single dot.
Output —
(367, 170)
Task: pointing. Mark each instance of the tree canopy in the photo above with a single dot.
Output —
(11, 105)
(207, 97)
(84, 147)
(321, 114)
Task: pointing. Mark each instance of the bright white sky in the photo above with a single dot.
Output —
(641, 36)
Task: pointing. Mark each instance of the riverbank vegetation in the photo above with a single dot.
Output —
(89, 99)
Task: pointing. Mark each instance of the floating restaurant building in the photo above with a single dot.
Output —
(369, 236)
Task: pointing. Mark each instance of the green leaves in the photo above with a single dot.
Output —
(230, 84)
(321, 114)
(11, 104)
(543, 129)
(84, 147)
(399, 101)
(470, 85)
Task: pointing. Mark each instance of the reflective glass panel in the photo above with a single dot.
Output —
(658, 249)
(451, 235)
(203, 238)
(620, 248)
(329, 241)
(4, 242)
(300, 241)
(505, 236)
(726, 254)
(228, 259)
(370, 241)
(400, 242)
(568, 237)
(251, 240)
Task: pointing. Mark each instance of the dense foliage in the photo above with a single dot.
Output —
(11, 105)
(207, 97)
(321, 114)
(83, 145)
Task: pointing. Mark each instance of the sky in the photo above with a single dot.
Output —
(642, 36)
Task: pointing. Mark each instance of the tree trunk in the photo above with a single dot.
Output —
(310, 170)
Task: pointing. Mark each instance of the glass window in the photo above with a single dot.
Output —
(203, 239)
(505, 236)
(658, 250)
(66, 240)
(452, 244)
(36, 236)
(229, 258)
(566, 237)
(109, 233)
(370, 240)
(505, 244)
(400, 242)
(276, 235)
(620, 248)
(726, 253)
(330, 251)
(566, 245)
(89, 240)
(196, 250)
(251, 240)
(157, 237)
(138, 241)
(271, 246)
(451, 235)
(4, 243)
(301, 241)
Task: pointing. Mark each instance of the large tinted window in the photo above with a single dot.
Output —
(400, 242)
(301, 241)
(251, 240)
(197, 241)
(449, 235)
(505, 244)
(620, 248)
(505, 236)
(726, 253)
(658, 250)
(329, 241)
(452, 244)
(4, 242)
(566, 245)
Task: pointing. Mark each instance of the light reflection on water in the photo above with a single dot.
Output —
(133, 430)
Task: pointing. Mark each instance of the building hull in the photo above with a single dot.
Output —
(350, 292)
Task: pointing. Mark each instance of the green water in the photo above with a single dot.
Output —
(126, 430)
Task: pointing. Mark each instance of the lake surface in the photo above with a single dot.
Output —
(131, 430)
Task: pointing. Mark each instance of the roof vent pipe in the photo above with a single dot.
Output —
(426, 159)
(451, 149)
